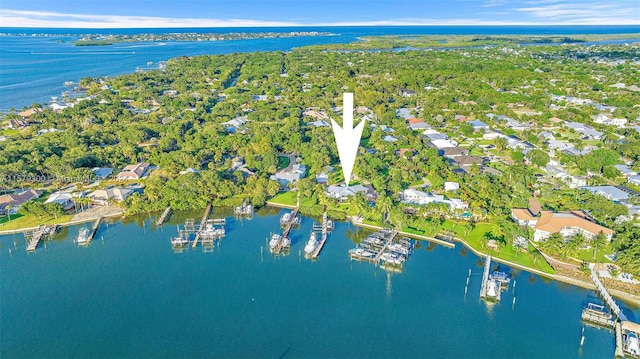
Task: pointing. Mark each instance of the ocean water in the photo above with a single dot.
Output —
(34, 68)
(129, 295)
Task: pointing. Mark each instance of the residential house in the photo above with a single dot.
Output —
(319, 123)
(341, 193)
(65, 199)
(389, 138)
(634, 180)
(479, 125)
(322, 178)
(451, 152)
(451, 186)
(417, 124)
(568, 224)
(406, 92)
(585, 130)
(414, 196)
(118, 194)
(404, 113)
(625, 170)
(102, 172)
(609, 192)
(524, 217)
(235, 125)
(133, 172)
(188, 170)
(606, 119)
(15, 200)
(465, 160)
(290, 174)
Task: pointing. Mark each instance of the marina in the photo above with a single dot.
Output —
(203, 222)
(382, 248)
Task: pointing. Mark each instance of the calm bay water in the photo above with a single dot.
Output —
(129, 295)
(33, 69)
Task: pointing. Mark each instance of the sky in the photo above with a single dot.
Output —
(246, 13)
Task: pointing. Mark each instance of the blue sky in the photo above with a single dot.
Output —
(215, 13)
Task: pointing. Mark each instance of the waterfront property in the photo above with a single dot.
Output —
(133, 172)
(567, 224)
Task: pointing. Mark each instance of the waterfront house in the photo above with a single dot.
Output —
(341, 192)
(118, 194)
(568, 224)
(413, 196)
(65, 199)
(133, 172)
(524, 217)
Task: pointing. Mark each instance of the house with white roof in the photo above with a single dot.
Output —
(133, 172)
(341, 192)
(63, 198)
(451, 186)
(625, 170)
(290, 174)
(479, 125)
(102, 172)
(118, 194)
(413, 196)
(235, 125)
(609, 192)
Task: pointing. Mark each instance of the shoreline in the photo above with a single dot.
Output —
(628, 298)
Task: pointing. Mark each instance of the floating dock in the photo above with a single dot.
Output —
(163, 218)
(382, 248)
(36, 236)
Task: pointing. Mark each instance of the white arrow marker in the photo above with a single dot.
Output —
(347, 137)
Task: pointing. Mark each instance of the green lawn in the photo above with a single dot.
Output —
(291, 198)
(32, 221)
(587, 255)
(283, 162)
(5, 219)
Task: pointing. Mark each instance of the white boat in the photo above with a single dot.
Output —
(285, 218)
(83, 236)
(493, 289)
(208, 231)
(275, 240)
(286, 242)
(179, 241)
(312, 244)
(219, 232)
(633, 346)
(501, 277)
(361, 252)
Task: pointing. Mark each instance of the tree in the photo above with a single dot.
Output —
(538, 157)
(598, 243)
(384, 205)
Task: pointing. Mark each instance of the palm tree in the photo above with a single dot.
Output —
(384, 204)
(599, 242)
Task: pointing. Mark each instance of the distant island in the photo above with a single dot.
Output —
(105, 40)
(440, 41)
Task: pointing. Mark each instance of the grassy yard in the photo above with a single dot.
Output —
(32, 221)
(283, 162)
(291, 198)
(587, 255)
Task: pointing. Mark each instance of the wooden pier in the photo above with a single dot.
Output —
(485, 277)
(203, 222)
(94, 229)
(163, 218)
(608, 300)
(619, 353)
(285, 234)
(36, 236)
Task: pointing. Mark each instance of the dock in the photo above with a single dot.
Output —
(383, 249)
(608, 300)
(597, 315)
(284, 243)
(244, 210)
(92, 232)
(485, 277)
(163, 218)
(36, 236)
(203, 222)
(324, 230)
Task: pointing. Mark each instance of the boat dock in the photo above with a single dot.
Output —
(288, 224)
(245, 210)
(596, 314)
(93, 231)
(203, 222)
(384, 249)
(491, 287)
(163, 218)
(324, 230)
(608, 300)
(36, 236)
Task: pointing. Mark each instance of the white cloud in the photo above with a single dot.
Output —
(545, 12)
